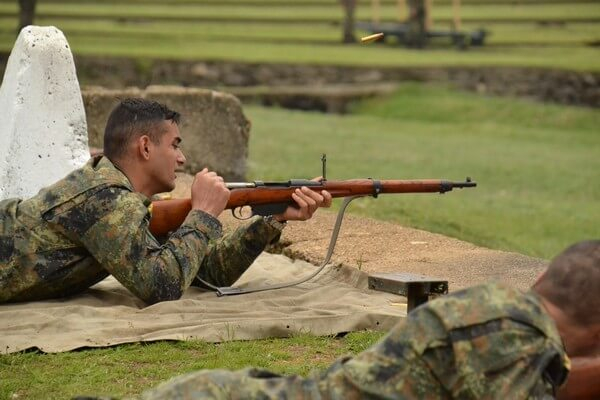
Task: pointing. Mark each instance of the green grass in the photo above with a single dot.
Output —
(537, 166)
(549, 12)
(129, 369)
(568, 57)
(230, 32)
(501, 33)
(293, 3)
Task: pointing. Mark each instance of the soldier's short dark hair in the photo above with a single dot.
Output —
(572, 282)
(132, 118)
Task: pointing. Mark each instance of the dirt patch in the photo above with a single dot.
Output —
(377, 246)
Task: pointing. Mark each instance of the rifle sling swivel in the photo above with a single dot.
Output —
(232, 290)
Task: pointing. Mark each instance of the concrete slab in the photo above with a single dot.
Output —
(214, 128)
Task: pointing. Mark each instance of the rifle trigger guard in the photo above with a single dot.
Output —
(376, 187)
(239, 214)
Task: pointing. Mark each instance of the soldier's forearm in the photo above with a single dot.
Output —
(583, 381)
(155, 272)
(231, 256)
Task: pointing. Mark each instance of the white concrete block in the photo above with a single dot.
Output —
(43, 132)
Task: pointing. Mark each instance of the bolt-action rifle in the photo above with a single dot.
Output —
(270, 198)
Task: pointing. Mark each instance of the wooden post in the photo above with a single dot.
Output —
(26, 13)
(428, 19)
(375, 5)
(456, 14)
(416, 24)
(402, 10)
(348, 25)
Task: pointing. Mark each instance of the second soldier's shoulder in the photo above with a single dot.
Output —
(479, 304)
(492, 294)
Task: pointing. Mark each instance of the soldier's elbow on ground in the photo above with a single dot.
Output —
(168, 292)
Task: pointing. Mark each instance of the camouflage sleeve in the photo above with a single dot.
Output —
(498, 358)
(349, 378)
(250, 383)
(113, 226)
(421, 358)
(228, 258)
(392, 368)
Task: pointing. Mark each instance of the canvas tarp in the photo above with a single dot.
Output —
(337, 300)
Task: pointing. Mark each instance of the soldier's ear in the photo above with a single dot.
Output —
(144, 146)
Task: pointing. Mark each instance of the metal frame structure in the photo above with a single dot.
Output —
(401, 29)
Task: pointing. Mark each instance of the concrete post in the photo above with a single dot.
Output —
(43, 132)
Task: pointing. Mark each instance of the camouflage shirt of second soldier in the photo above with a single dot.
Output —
(92, 223)
(486, 342)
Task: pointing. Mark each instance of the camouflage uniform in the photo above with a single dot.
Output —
(487, 342)
(92, 224)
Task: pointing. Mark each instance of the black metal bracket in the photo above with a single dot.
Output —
(416, 288)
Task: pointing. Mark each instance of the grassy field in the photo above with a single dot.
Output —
(293, 3)
(333, 13)
(130, 369)
(535, 142)
(537, 165)
(513, 34)
(522, 33)
(577, 58)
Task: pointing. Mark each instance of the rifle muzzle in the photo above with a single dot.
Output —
(447, 186)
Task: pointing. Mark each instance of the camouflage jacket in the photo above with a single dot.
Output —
(486, 342)
(92, 223)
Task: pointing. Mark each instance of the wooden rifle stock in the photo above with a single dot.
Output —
(168, 215)
(583, 381)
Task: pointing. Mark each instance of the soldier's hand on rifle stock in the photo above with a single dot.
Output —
(307, 202)
(209, 193)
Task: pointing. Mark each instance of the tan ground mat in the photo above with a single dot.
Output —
(335, 301)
